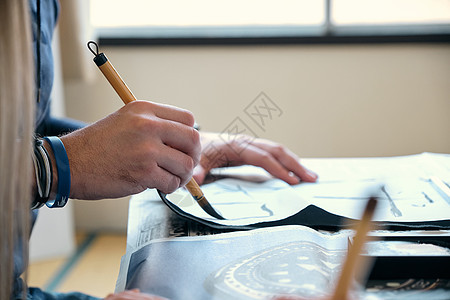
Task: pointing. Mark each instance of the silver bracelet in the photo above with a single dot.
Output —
(44, 174)
(48, 171)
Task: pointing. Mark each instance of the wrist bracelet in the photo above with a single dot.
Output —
(48, 171)
(63, 171)
(43, 174)
(38, 199)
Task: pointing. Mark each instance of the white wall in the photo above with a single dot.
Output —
(337, 100)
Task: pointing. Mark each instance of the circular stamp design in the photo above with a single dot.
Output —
(301, 268)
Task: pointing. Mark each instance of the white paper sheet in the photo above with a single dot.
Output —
(194, 267)
(401, 183)
(242, 202)
(255, 264)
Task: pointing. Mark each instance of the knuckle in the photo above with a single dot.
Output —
(240, 140)
(279, 149)
(266, 156)
(187, 172)
(140, 106)
(149, 125)
(189, 165)
(189, 168)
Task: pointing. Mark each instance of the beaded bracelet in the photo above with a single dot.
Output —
(63, 171)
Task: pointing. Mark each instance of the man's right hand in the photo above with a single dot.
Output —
(142, 145)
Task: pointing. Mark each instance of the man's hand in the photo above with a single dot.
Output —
(274, 158)
(142, 145)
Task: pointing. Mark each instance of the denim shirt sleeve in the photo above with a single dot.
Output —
(44, 16)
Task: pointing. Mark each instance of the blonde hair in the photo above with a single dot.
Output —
(17, 105)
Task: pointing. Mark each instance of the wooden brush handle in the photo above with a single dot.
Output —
(117, 82)
(194, 189)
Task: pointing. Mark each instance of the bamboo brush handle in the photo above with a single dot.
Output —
(117, 82)
(353, 262)
(194, 189)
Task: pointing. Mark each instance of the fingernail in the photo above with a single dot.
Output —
(312, 175)
(294, 179)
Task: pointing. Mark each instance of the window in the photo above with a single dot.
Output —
(391, 16)
(358, 12)
(171, 19)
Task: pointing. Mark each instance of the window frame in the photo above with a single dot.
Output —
(326, 33)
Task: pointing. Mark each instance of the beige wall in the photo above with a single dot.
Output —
(352, 100)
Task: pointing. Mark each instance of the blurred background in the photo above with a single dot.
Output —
(350, 78)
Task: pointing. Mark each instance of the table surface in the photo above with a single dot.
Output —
(150, 219)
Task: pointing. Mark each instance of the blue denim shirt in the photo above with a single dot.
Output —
(44, 15)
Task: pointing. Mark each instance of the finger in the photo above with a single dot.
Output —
(163, 180)
(289, 160)
(176, 163)
(259, 157)
(183, 138)
(173, 113)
